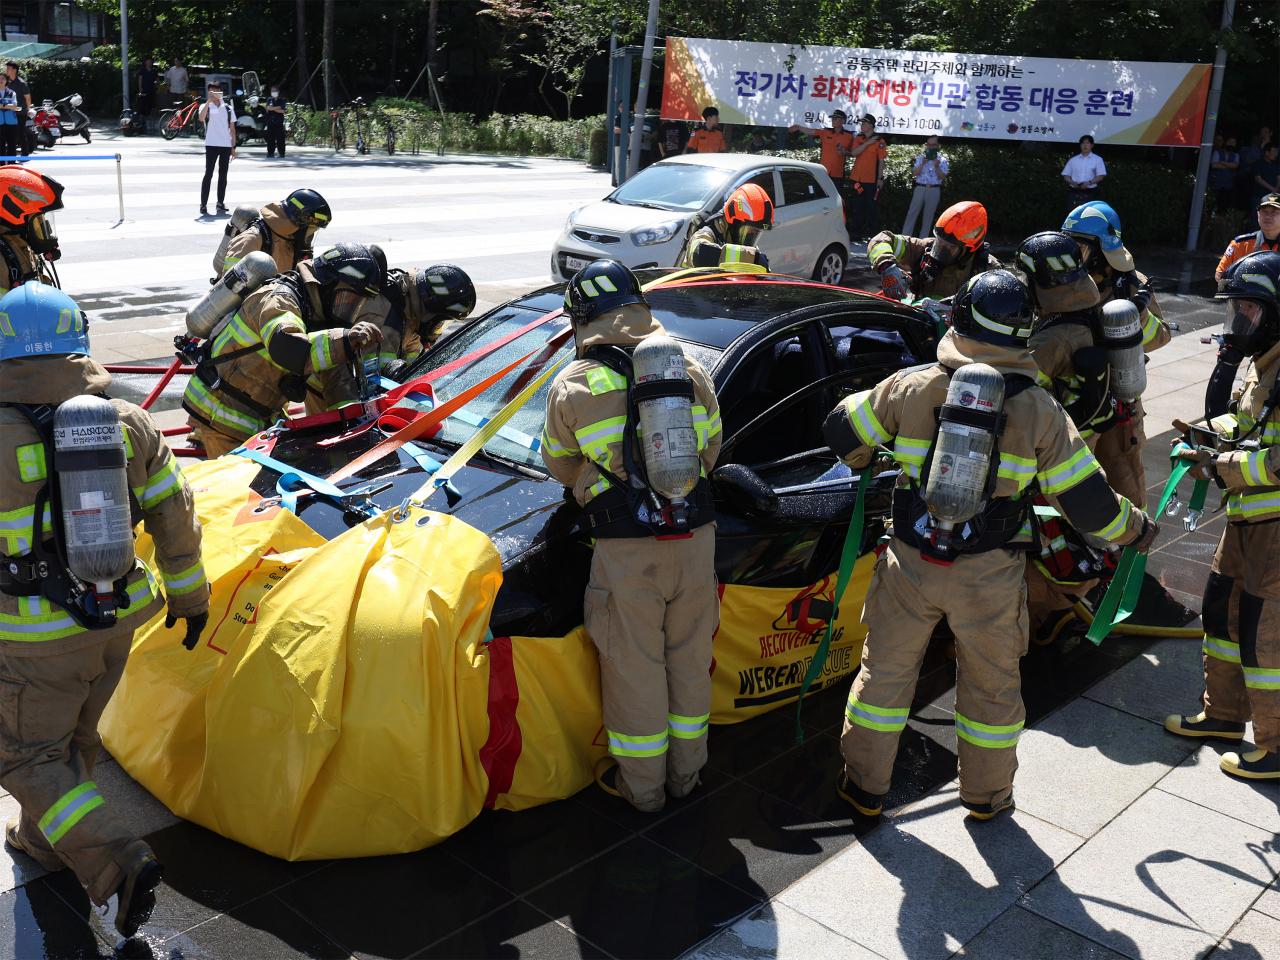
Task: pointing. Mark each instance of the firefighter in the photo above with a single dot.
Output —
(27, 240)
(969, 571)
(1095, 227)
(284, 230)
(411, 313)
(935, 268)
(60, 659)
(651, 605)
(293, 326)
(730, 238)
(1241, 608)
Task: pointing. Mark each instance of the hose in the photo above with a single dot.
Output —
(1142, 630)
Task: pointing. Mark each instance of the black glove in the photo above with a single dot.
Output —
(395, 370)
(1142, 296)
(195, 627)
(1150, 530)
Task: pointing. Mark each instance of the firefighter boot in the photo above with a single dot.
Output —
(135, 897)
(1258, 765)
(985, 811)
(867, 804)
(1202, 726)
(13, 835)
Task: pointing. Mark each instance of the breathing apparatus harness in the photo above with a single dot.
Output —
(999, 519)
(44, 571)
(635, 509)
(1093, 405)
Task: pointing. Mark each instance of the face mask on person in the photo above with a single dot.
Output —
(275, 93)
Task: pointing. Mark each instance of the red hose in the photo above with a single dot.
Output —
(164, 382)
(189, 452)
(122, 368)
(176, 431)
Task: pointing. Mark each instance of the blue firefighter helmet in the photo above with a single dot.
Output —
(37, 320)
(1097, 223)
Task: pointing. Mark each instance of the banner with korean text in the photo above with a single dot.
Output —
(951, 94)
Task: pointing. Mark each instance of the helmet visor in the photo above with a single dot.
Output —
(945, 251)
(748, 234)
(42, 234)
(346, 302)
(1246, 318)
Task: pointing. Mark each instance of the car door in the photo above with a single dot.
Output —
(802, 220)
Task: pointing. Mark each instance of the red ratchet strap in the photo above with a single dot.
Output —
(420, 426)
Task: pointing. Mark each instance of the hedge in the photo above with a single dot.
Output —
(1024, 191)
(97, 81)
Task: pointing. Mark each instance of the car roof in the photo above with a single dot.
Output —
(741, 162)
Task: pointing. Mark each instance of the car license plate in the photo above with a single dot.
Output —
(573, 263)
(54, 131)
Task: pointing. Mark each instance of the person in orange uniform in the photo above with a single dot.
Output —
(1265, 238)
(708, 138)
(865, 179)
(837, 144)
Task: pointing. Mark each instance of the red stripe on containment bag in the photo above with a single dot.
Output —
(500, 752)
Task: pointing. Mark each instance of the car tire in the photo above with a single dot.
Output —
(831, 265)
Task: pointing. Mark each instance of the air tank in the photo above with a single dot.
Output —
(243, 215)
(227, 294)
(1122, 337)
(668, 440)
(89, 457)
(957, 483)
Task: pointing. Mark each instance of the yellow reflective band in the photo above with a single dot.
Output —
(321, 351)
(1261, 678)
(1150, 327)
(164, 483)
(883, 719)
(1254, 468)
(70, 809)
(1021, 470)
(869, 429)
(1220, 649)
(985, 734)
(1070, 472)
(687, 728)
(555, 447)
(1118, 524)
(179, 583)
(1254, 506)
(15, 528)
(908, 450)
(45, 621)
(213, 409)
(622, 745)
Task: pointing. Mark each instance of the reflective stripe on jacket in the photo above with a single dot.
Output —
(1253, 477)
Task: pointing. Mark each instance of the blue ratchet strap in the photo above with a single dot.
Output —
(289, 477)
(430, 465)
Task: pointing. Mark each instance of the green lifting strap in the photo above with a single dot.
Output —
(1122, 593)
(848, 557)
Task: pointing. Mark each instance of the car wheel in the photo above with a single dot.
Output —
(830, 267)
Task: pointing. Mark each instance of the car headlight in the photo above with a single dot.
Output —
(658, 233)
(572, 218)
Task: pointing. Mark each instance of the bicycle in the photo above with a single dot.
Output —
(337, 134)
(362, 145)
(174, 122)
(390, 141)
(298, 126)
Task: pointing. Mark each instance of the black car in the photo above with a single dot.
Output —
(781, 352)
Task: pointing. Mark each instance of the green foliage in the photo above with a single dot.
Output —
(97, 81)
(1024, 191)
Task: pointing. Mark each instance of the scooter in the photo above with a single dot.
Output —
(251, 117)
(132, 123)
(71, 118)
(48, 129)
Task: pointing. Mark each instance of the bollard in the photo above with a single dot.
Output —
(110, 156)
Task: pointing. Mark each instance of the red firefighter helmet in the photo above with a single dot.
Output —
(963, 224)
(749, 206)
(24, 192)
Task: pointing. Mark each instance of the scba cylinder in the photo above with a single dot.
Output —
(89, 456)
(668, 438)
(227, 294)
(1122, 333)
(962, 452)
(243, 215)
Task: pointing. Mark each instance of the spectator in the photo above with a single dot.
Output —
(219, 119)
(148, 77)
(175, 81)
(1223, 165)
(275, 122)
(1266, 172)
(672, 137)
(930, 170)
(837, 143)
(1267, 237)
(1083, 173)
(757, 142)
(8, 119)
(708, 138)
(865, 180)
(1249, 155)
(646, 142)
(19, 86)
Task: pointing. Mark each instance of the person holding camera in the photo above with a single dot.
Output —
(930, 170)
(219, 119)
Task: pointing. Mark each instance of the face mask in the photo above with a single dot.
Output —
(343, 305)
(944, 252)
(275, 93)
(42, 235)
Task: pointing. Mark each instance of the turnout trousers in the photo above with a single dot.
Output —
(652, 608)
(1241, 614)
(983, 598)
(49, 743)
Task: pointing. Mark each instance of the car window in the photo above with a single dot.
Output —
(765, 179)
(673, 186)
(866, 351)
(770, 373)
(799, 186)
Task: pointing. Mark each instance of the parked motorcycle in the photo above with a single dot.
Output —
(48, 128)
(251, 114)
(71, 118)
(132, 123)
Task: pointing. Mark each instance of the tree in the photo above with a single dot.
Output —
(512, 20)
(300, 16)
(571, 38)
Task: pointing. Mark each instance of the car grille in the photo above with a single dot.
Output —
(592, 237)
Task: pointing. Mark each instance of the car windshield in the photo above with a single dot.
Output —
(673, 186)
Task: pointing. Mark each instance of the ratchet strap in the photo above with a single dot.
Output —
(848, 557)
(289, 478)
(1122, 593)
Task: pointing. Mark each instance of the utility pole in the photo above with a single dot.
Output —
(610, 161)
(328, 54)
(124, 52)
(1210, 127)
(642, 96)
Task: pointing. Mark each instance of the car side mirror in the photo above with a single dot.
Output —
(742, 488)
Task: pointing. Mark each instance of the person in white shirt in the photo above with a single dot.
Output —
(1083, 173)
(175, 81)
(219, 145)
(930, 170)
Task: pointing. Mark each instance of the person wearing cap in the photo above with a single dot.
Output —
(1266, 237)
(837, 144)
(865, 179)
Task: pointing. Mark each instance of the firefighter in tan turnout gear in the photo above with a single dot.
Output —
(284, 231)
(633, 428)
(260, 354)
(972, 433)
(1241, 609)
(937, 268)
(76, 471)
(730, 239)
(27, 240)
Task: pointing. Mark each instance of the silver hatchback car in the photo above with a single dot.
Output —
(648, 220)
